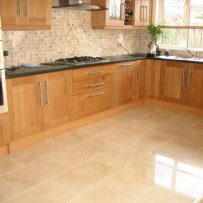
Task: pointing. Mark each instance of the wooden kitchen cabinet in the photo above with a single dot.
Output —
(130, 82)
(25, 14)
(143, 12)
(5, 133)
(152, 85)
(172, 82)
(194, 85)
(39, 102)
(93, 102)
(25, 106)
(58, 98)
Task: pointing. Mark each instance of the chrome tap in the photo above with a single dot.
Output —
(194, 55)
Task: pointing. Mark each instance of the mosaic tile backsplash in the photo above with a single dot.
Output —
(71, 35)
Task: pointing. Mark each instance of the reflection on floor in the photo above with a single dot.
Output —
(140, 156)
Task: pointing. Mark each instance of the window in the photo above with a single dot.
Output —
(182, 21)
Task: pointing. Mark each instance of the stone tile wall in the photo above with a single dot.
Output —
(71, 35)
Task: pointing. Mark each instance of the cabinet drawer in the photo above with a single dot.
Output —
(93, 102)
(93, 72)
(94, 84)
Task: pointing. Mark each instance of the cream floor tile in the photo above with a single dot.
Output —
(33, 153)
(121, 156)
(112, 138)
(85, 176)
(189, 118)
(173, 127)
(161, 195)
(33, 174)
(76, 155)
(7, 164)
(6, 190)
(103, 194)
(48, 192)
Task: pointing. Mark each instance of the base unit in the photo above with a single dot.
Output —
(93, 102)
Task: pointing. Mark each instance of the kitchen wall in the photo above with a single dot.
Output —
(71, 35)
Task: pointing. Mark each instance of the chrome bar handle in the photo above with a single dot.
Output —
(97, 94)
(26, 6)
(141, 13)
(95, 72)
(183, 77)
(40, 94)
(95, 85)
(126, 65)
(47, 92)
(122, 11)
(146, 13)
(189, 77)
(139, 75)
(20, 8)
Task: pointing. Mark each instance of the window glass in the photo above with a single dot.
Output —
(196, 13)
(195, 38)
(174, 12)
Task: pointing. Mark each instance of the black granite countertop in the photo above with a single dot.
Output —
(22, 72)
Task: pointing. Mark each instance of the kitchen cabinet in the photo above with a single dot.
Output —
(122, 14)
(130, 82)
(25, 14)
(58, 98)
(5, 133)
(93, 90)
(172, 81)
(153, 71)
(39, 102)
(143, 12)
(194, 85)
(25, 106)
(93, 102)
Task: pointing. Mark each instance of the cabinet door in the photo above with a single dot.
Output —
(125, 82)
(194, 83)
(37, 12)
(25, 106)
(153, 71)
(139, 80)
(5, 134)
(93, 102)
(11, 12)
(172, 81)
(57, 98)
(143, 13)
(116, 12)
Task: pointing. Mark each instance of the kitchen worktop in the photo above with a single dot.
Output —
(111, 60)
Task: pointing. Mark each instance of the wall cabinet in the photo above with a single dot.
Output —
(122, 14)
(5, 133)
(143, 12)
(39, 102)
(25, 14)
(130, 82)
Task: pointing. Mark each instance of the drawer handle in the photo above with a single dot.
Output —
(95, 72)
(97, 94)
(95, 85)
(126, 65)
(40, 95)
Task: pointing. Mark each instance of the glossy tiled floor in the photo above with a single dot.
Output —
(144, 155)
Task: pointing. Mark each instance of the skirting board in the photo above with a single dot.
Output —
(174, 107)
(36, 138)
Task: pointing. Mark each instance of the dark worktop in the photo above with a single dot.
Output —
(22, 72)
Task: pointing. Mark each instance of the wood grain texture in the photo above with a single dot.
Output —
(25, 14)
(5, 133)
(172, 81)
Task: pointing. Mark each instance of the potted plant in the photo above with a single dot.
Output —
(155, 32)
